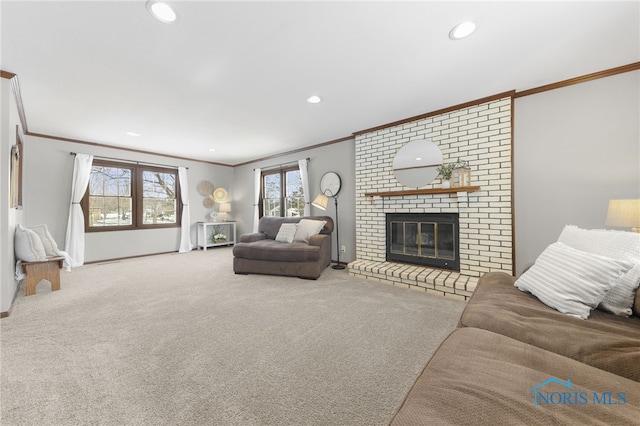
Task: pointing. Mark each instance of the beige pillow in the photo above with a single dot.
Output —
(286, 232)
(307, 228)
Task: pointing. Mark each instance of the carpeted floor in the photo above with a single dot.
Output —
(179, 339)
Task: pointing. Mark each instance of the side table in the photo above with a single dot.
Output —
(204, 229)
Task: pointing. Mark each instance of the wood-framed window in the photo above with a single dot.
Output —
(282, 193)
(123, 196)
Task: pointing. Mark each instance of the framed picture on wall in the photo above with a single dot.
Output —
(16, 172)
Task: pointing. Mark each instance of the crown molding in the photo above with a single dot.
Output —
(438, 112)
(294, 151)
(121, 148)
(582, 79)
(577, 80)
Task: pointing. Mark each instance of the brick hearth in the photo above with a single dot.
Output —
(433, 281)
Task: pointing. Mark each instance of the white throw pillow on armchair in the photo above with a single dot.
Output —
(308, 228)
(286, 232)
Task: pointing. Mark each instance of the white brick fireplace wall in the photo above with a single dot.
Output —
(479, 134)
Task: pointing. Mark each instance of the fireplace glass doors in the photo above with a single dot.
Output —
(429, 239)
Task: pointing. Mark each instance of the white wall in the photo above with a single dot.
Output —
(47, 188)
(338, 157)
(574, 149)
(10, 217)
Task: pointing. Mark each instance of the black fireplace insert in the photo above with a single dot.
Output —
(429, 239)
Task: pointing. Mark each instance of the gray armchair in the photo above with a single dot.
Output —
(260, 253)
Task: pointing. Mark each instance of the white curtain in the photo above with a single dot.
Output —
(256, 199)
(74, 240)
(303, 165)
(185, 230)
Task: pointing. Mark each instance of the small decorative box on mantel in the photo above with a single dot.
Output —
(461, 175)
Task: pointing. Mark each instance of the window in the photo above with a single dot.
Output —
(125, 196)
(282, 194)
(159, 201)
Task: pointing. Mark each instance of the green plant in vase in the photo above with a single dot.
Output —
(445, 170)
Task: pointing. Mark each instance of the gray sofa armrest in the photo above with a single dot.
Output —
(324, 242)
(319, 239)
(249, 238)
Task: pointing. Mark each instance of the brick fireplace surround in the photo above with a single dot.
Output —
(479, 134)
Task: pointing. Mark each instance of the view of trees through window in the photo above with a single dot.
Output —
(282, 193)
(131, 196)
(110, 198)
(159, 197)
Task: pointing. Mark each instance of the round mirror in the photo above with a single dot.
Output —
(417, 162)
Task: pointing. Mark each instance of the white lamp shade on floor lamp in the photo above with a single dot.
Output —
(321, 201)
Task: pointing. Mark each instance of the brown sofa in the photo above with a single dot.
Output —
(513, 360)
(260, 253)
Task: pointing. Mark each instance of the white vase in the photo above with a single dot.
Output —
(446, 184)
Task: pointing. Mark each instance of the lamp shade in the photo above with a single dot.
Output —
(321, 201)
(225, 207)
(624, 213)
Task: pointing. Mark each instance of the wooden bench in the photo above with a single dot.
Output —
(48, 269)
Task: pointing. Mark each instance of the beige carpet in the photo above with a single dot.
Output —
(178, 339)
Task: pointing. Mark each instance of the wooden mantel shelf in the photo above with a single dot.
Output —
(423, 191)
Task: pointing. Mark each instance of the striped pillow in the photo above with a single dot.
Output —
(571, 281)
(286, 232)
(618, 245)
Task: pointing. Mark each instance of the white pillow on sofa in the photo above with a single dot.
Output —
(615, 244)
(27, 245)
(308, 228)
(286, 232)
(571, 281)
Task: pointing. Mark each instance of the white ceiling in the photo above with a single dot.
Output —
(234, 76)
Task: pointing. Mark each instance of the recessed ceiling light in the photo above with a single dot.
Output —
(314, 99)
(462, 30)
(133, 134)
(212, 150)
(161, 11)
